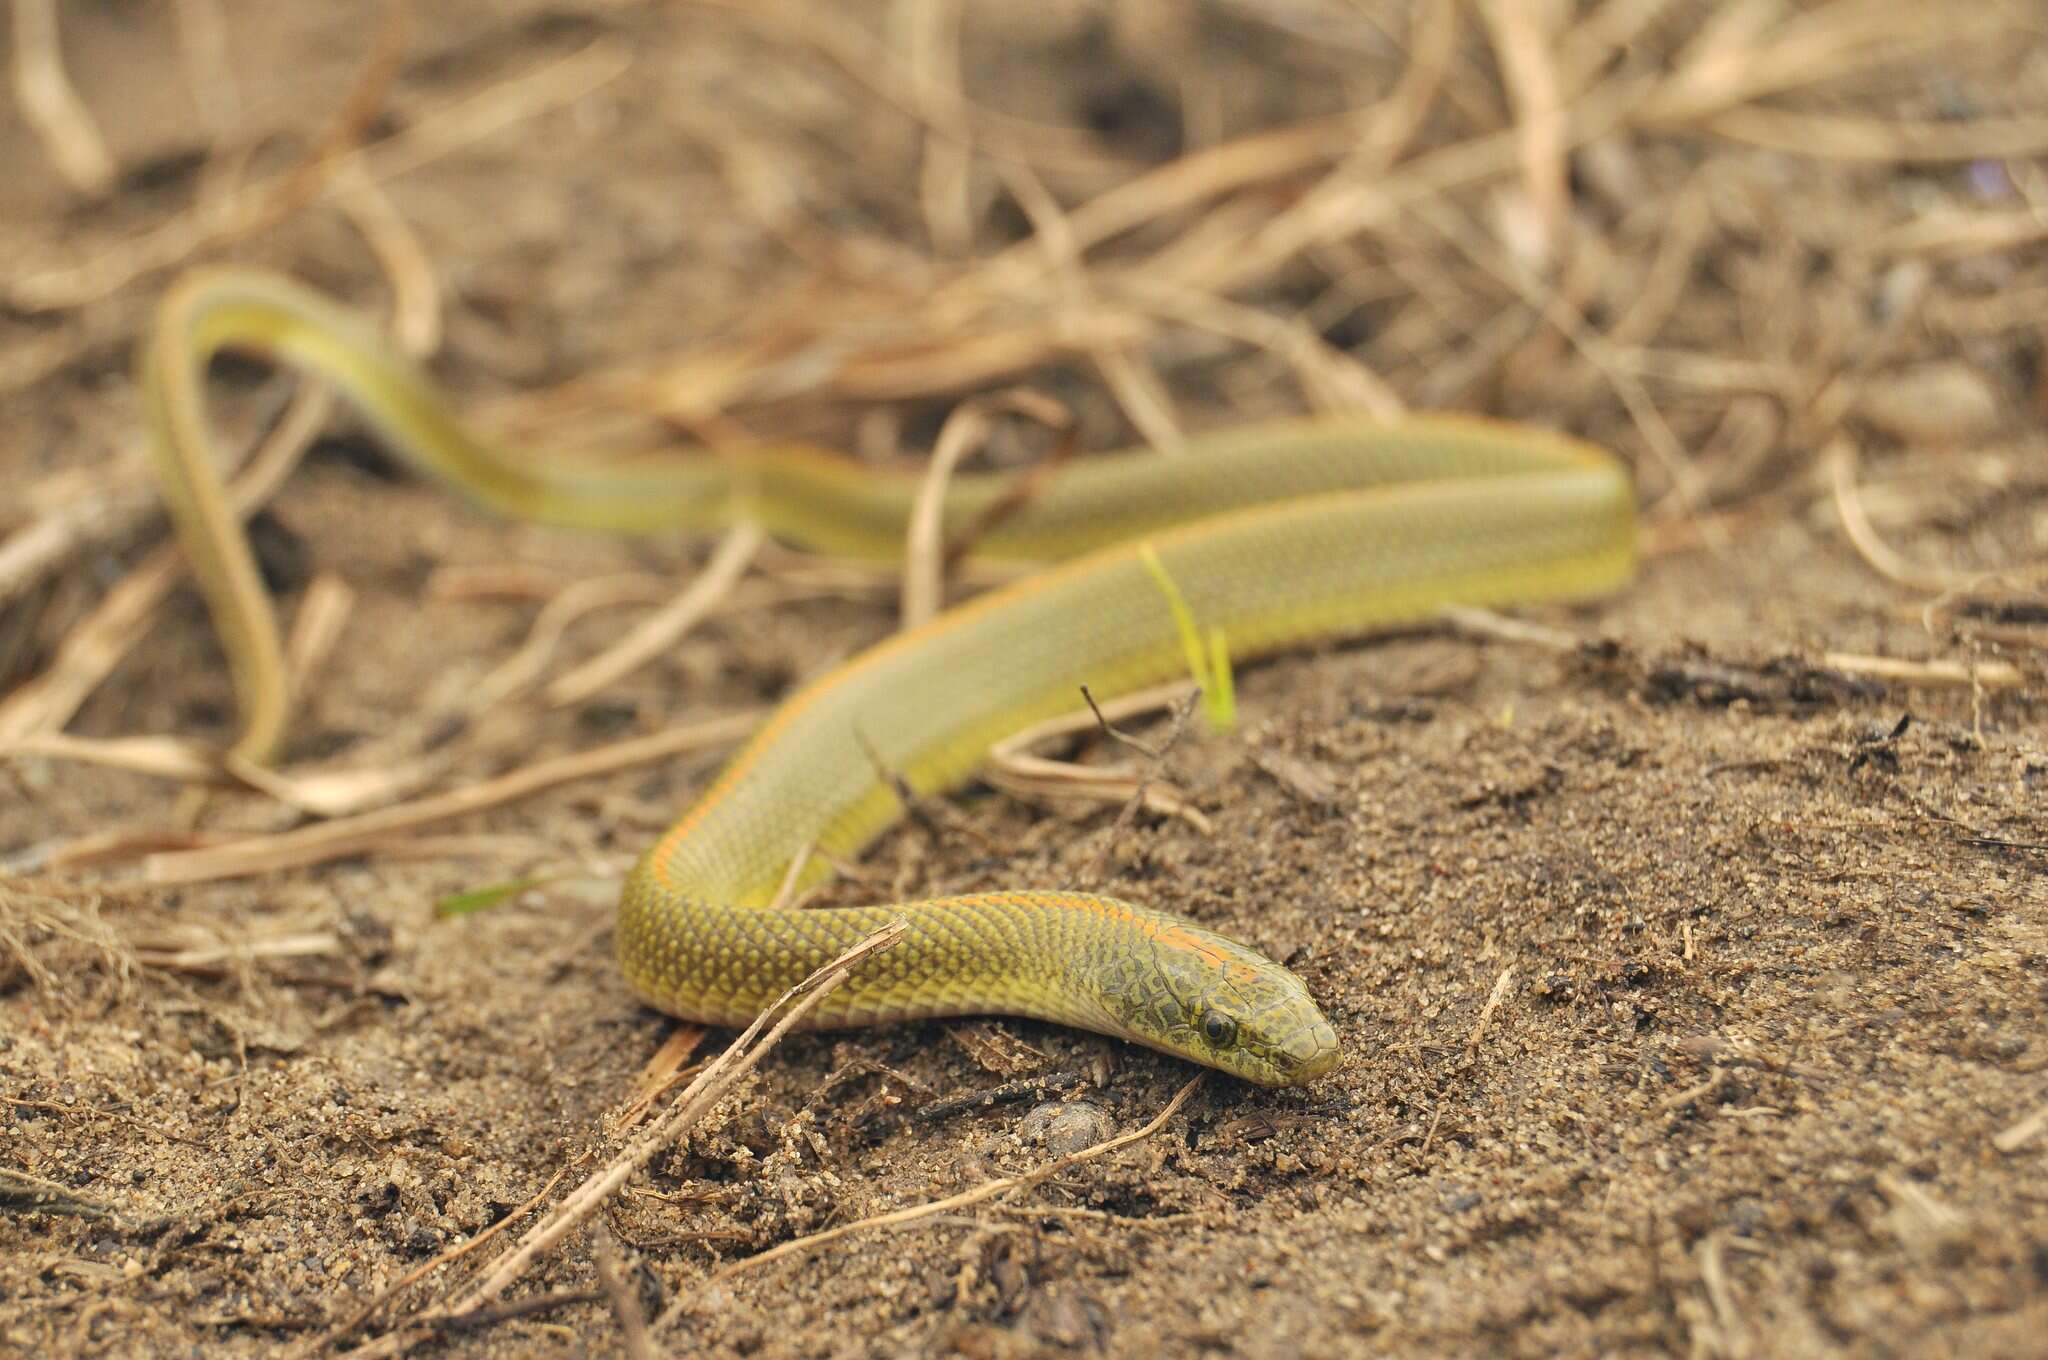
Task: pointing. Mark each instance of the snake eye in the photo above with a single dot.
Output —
(1219, 1029)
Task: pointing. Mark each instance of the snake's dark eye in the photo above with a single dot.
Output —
(1219, 1029)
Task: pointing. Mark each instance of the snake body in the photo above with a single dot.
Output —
(1277, 534)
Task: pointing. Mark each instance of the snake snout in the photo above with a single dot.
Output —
(1311, 1051)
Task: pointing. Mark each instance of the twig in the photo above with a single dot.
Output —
(1493, 1000)
(419, 1272)
(1178, 716)
(431, 137)
(1011, 766)
(1143, 748)
(1939, 673)
(316, 628)
(162, 757)
(625, 1302)
(2017, 1135)
(352, 835)
(1485, 623)
(208, 959)
(697, 1099)
(785, 891)
(415, 291)
(1023, 1088)
(986, 1190)
(1522, 32)
(21, 1192)
(924, 535)
(659, 1075)
(479, 1318)
(1733, 1339)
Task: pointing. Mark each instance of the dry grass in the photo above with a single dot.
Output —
(1719, 238)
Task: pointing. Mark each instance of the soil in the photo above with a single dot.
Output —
(1693, 985)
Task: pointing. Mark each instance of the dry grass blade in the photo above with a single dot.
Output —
(697, 1100)
(626, 1311)
(210, 959)
(566, 605)
(354, 1321)
(1524, 36)
(323, 613)
(1330, 378)
(415, 291)
(114, 504)
(161, 757)
(1755, 48)
(51, 107)
(353, 835)
(339, 793)
(1952, 233)
(986, 1190)
(933, 34)
(658, 1075)
(926, 553)
(2018, 1135)
(1012, 766)
(433, 136)
(1840, 459)
(1883, 139)
(1935, 674)
(660, 631)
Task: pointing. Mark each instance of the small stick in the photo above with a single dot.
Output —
(426, 1268)
(518, 1308)
(1143, 748)
(352, 835)
(1021, 1089)
(1841, 460)
(661, 630)
(2016, 1136)
(1180, 712)
(1500, 989)
(798, 862)
(20, 1190)
(1484, 623)
(926, 554)
(625, 1302)
(696, 1100)
(1941, 673)
(924, 536)
(1024, 489)
(51, 106)
(1714, 1276)
(986, 1190)
(316, 629)
(915, 807)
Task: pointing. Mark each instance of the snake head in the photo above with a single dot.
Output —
(1198, 995)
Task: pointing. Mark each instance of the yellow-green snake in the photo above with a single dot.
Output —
(1277, 534)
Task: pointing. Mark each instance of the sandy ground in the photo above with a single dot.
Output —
(1693, 989)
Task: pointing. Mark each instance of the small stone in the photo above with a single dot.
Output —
(1063, 1127)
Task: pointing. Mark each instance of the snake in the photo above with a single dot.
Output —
(1277, 533)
